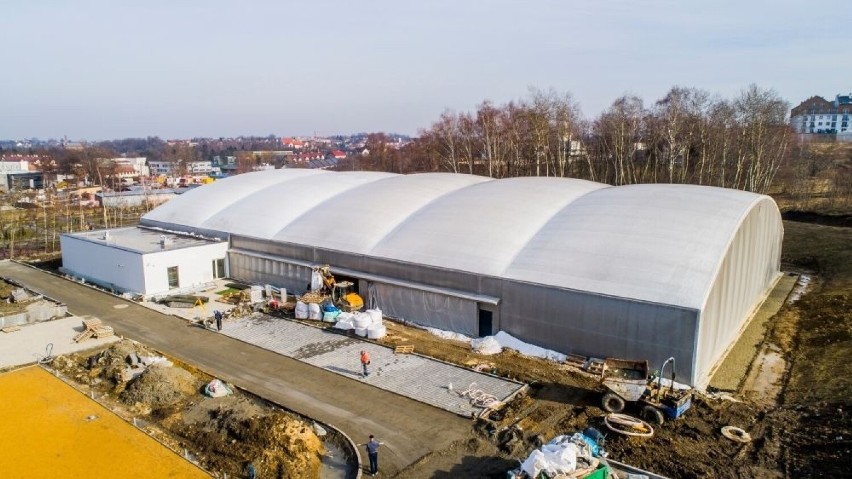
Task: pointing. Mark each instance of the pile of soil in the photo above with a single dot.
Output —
(160, 386)
(232, 430)
(222, 434)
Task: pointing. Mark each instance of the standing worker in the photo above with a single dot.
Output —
(365, 361)
(373, 454)
(218, 315)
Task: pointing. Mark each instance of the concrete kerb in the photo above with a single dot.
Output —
(351, 443)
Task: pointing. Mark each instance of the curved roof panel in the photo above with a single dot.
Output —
(197, 205)
(359, 218)
(657, 243)
(482, 227)
(267, 211)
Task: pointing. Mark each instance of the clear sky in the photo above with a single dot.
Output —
(175, 68)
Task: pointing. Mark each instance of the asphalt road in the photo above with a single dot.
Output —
(408, 428)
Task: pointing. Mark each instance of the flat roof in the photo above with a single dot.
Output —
(142, 240)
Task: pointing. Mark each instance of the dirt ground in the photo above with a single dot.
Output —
(222, 434)
(807, 432)
(6, 306)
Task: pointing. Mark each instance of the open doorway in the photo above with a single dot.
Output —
(486, 323)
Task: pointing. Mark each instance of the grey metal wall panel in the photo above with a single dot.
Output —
(429, 309)
(600, 326)
(265, 271)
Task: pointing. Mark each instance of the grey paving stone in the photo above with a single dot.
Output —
(420, 378)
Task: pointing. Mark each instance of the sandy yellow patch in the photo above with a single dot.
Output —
(50, 430)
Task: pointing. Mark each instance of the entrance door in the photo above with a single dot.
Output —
(485, 323)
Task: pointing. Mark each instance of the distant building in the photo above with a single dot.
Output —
(816, 115)
(173, 168)
(21, 172)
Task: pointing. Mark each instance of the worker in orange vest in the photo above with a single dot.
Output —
(365, 361)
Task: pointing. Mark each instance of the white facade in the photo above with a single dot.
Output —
(817, 115)
(139, 164)
(160, 167)
(170, 168)
(133, 260)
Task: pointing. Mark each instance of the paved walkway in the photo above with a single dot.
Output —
(420, 378)
(408, 428)
(28, 345)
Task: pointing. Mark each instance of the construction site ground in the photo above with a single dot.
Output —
(803, 431)
(409, 429)
(51, 430)
(35, 341)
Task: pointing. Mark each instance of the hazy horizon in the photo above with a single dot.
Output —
(100, 70)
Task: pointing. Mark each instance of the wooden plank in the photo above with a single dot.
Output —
(91, 323)
(84, 336)
(11, 329)
(404, 349)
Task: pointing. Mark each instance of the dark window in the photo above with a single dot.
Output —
(174, 282)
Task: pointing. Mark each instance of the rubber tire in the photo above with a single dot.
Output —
(653, 415)
(612, 402)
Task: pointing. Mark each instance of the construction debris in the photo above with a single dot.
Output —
(93, 329)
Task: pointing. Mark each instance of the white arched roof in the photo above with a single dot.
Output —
(658, 243)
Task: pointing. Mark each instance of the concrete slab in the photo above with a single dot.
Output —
(28, 344)
(420, 378)
(731, 372)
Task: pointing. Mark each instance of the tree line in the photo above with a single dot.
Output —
(688, 136)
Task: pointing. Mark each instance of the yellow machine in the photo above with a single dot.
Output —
(343, 294)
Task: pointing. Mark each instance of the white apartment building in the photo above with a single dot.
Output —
(816, 115)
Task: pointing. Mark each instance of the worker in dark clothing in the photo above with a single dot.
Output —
(218, 315)
(373, 454)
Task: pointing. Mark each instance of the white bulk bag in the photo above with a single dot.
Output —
(376, 331)
(301, 310)
(375, 315)
(314, 312)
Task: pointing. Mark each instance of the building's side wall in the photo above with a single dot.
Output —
(426, 308)
(103, 264)
(599, 326)
(749, 269)
(195, 266)
(566, 321)
(278, 273)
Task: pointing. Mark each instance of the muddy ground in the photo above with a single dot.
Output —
(222, 434)
(806, 432)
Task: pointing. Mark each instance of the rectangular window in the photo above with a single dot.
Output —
(174, 281)
(219, 268)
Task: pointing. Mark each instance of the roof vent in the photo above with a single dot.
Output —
(105, 236)
(164, 241)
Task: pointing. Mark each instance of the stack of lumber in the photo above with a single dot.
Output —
(313, 297)
(93, 329)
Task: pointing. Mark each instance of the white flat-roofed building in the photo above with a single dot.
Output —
(142, 260)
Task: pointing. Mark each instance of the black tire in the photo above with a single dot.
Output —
(653, 415)
(612, 402)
